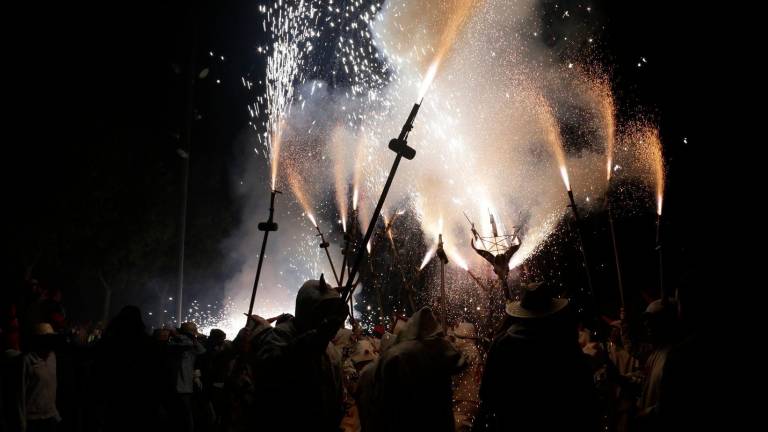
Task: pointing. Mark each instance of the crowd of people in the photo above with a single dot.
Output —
(319, 370)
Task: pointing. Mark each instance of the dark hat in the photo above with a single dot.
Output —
(535, 302)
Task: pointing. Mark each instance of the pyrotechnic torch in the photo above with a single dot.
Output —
(324, 245)
(577, 219)
(347, 242)
(400, 146)
(662, 289)
(443, 261)
(269, 225)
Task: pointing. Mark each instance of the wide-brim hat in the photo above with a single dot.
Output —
(535, 302)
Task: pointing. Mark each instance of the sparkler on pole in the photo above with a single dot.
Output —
(324, 245)
(399, 146)
(348, 237)
(443, 261)
(269, 225)
(579, 238)
(657, 160)
(662, 289)
(608, 113)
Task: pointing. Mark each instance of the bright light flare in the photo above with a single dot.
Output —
(428, 78)
(428, 257)
(564, 175)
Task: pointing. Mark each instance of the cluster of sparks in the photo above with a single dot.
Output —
(362, 68)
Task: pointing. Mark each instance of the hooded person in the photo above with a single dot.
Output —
(466, 385)
(412, 378)
(536, 377)
(298, 370)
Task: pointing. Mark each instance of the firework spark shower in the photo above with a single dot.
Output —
(341, 77)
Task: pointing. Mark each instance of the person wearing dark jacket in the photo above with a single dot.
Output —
(297, 370)
(125, 391)
(536, 377)
(411, 388)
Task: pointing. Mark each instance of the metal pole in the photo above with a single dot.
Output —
(268, 226)
(186, 142)
(662, 288)
(581, 244)
(324, 245)
(401, 148)
(616, 255)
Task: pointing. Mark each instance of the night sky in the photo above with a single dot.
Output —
(99, 98)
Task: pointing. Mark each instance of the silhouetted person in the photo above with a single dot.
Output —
(10, 375)
(661, 323)
(412, 381)
(536, 377)
(299, 376)
(183, 349)
(214, 367)
(695, 375)
(38, 382)
(241, 412)
(126, 384)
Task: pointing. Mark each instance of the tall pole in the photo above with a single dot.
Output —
(443, 261)
(662, 288)
(616, 254)
(186, 142)
(324, 245)
(267, 226)
(399, 146)
(581, 246)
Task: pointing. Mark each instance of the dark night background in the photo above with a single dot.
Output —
(99, 97)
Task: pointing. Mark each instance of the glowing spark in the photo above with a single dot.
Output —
(274, 152)
(362, 143)
(428, 80)
(295, 184)
(428, 257)
(454, 25)
(648, 150)
(564, 175)
(455, 257)
(312, 219)
(657, 160)
(339, 156)
(552, 136)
